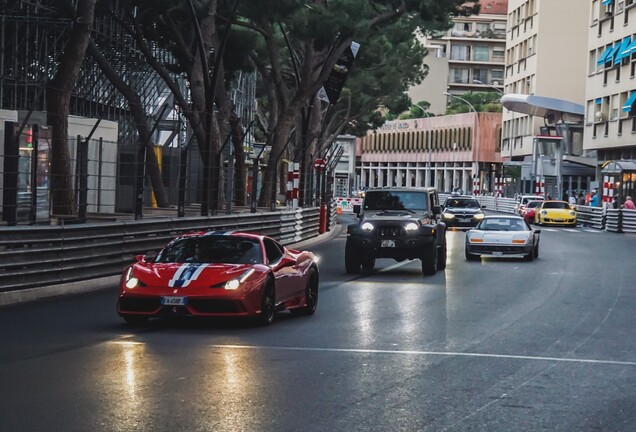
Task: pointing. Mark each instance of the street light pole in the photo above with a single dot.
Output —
(477, 134)
(423, 110)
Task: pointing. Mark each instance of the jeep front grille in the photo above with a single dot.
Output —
(390, 231)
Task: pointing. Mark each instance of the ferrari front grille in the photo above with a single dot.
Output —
(139, 304)
(215, 306)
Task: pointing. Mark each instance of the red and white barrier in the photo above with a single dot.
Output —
(539, 186)
(346, 204)
(293, 183)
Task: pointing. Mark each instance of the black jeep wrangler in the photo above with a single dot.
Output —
(399, 223)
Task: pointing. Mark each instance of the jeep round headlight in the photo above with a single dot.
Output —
(411, 226)
(367, 226)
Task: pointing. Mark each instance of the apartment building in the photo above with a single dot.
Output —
(544, 56)
(610, 98)
(468, 57)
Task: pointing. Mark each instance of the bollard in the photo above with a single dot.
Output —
(322, 221)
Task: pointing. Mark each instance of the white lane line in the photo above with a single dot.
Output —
(571, 230)
(429, 353)
(592, 230)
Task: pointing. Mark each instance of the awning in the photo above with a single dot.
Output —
(606, 2)
(621, 50)
(610, 55)
(630, 49)
(630, 101)
(601, 59)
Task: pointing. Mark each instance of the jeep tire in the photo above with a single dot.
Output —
(352, 259)
(430, 260)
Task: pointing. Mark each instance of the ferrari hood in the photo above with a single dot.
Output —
(190, 275)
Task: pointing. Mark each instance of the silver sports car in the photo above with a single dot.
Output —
(502, 236)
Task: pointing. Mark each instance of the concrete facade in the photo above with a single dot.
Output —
(544, 57)
(442, 152)
(473, 49)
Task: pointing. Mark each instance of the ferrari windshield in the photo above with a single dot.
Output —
(502, 224)
(395, 200)
(212, 249)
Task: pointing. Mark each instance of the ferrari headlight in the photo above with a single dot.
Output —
(479, 216)
(233, 284)
(449, 216)
(131, 280)
(367, 226)
(411, 226)
(572, 213)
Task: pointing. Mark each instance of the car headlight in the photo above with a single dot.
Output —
(544, 212)
(367, 226)
(448, 216)
(411, 226)
(233, 284)
(479, 216)
(572, 213)
(130, 280)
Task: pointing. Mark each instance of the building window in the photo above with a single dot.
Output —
(459, 75)
(481, 53)
(481, 75)
(460, 52)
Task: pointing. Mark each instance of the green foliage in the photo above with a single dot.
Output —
(481, 101)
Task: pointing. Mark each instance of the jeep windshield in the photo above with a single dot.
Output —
(393, 200)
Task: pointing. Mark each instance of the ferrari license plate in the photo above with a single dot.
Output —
(174, 301)
(388, 243)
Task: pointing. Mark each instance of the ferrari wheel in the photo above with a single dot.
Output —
(469, 256)
(268, 303)
(311, 295)
(529, 256)
(429, 261)
(352, 260)
(135, 319)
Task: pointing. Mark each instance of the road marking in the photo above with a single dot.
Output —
(430, 353)
(571, 230)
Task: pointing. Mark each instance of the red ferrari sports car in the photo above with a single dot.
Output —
(219, 274)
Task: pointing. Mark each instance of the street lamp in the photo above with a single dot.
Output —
(476, 81)
(422, 108)
(512, 137)
(478, 133)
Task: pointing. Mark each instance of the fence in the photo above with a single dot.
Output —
(36, 256)
(106, 177)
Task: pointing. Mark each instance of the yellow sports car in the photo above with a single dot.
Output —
(555, 213)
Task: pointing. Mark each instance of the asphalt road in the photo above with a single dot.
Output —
(496, 345)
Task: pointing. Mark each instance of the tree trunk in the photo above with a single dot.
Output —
(139, 117)
(240, 170)
(58, 107)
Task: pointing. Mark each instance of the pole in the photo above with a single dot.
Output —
(477, 135)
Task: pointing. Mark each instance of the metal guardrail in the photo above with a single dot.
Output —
(36, 256)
